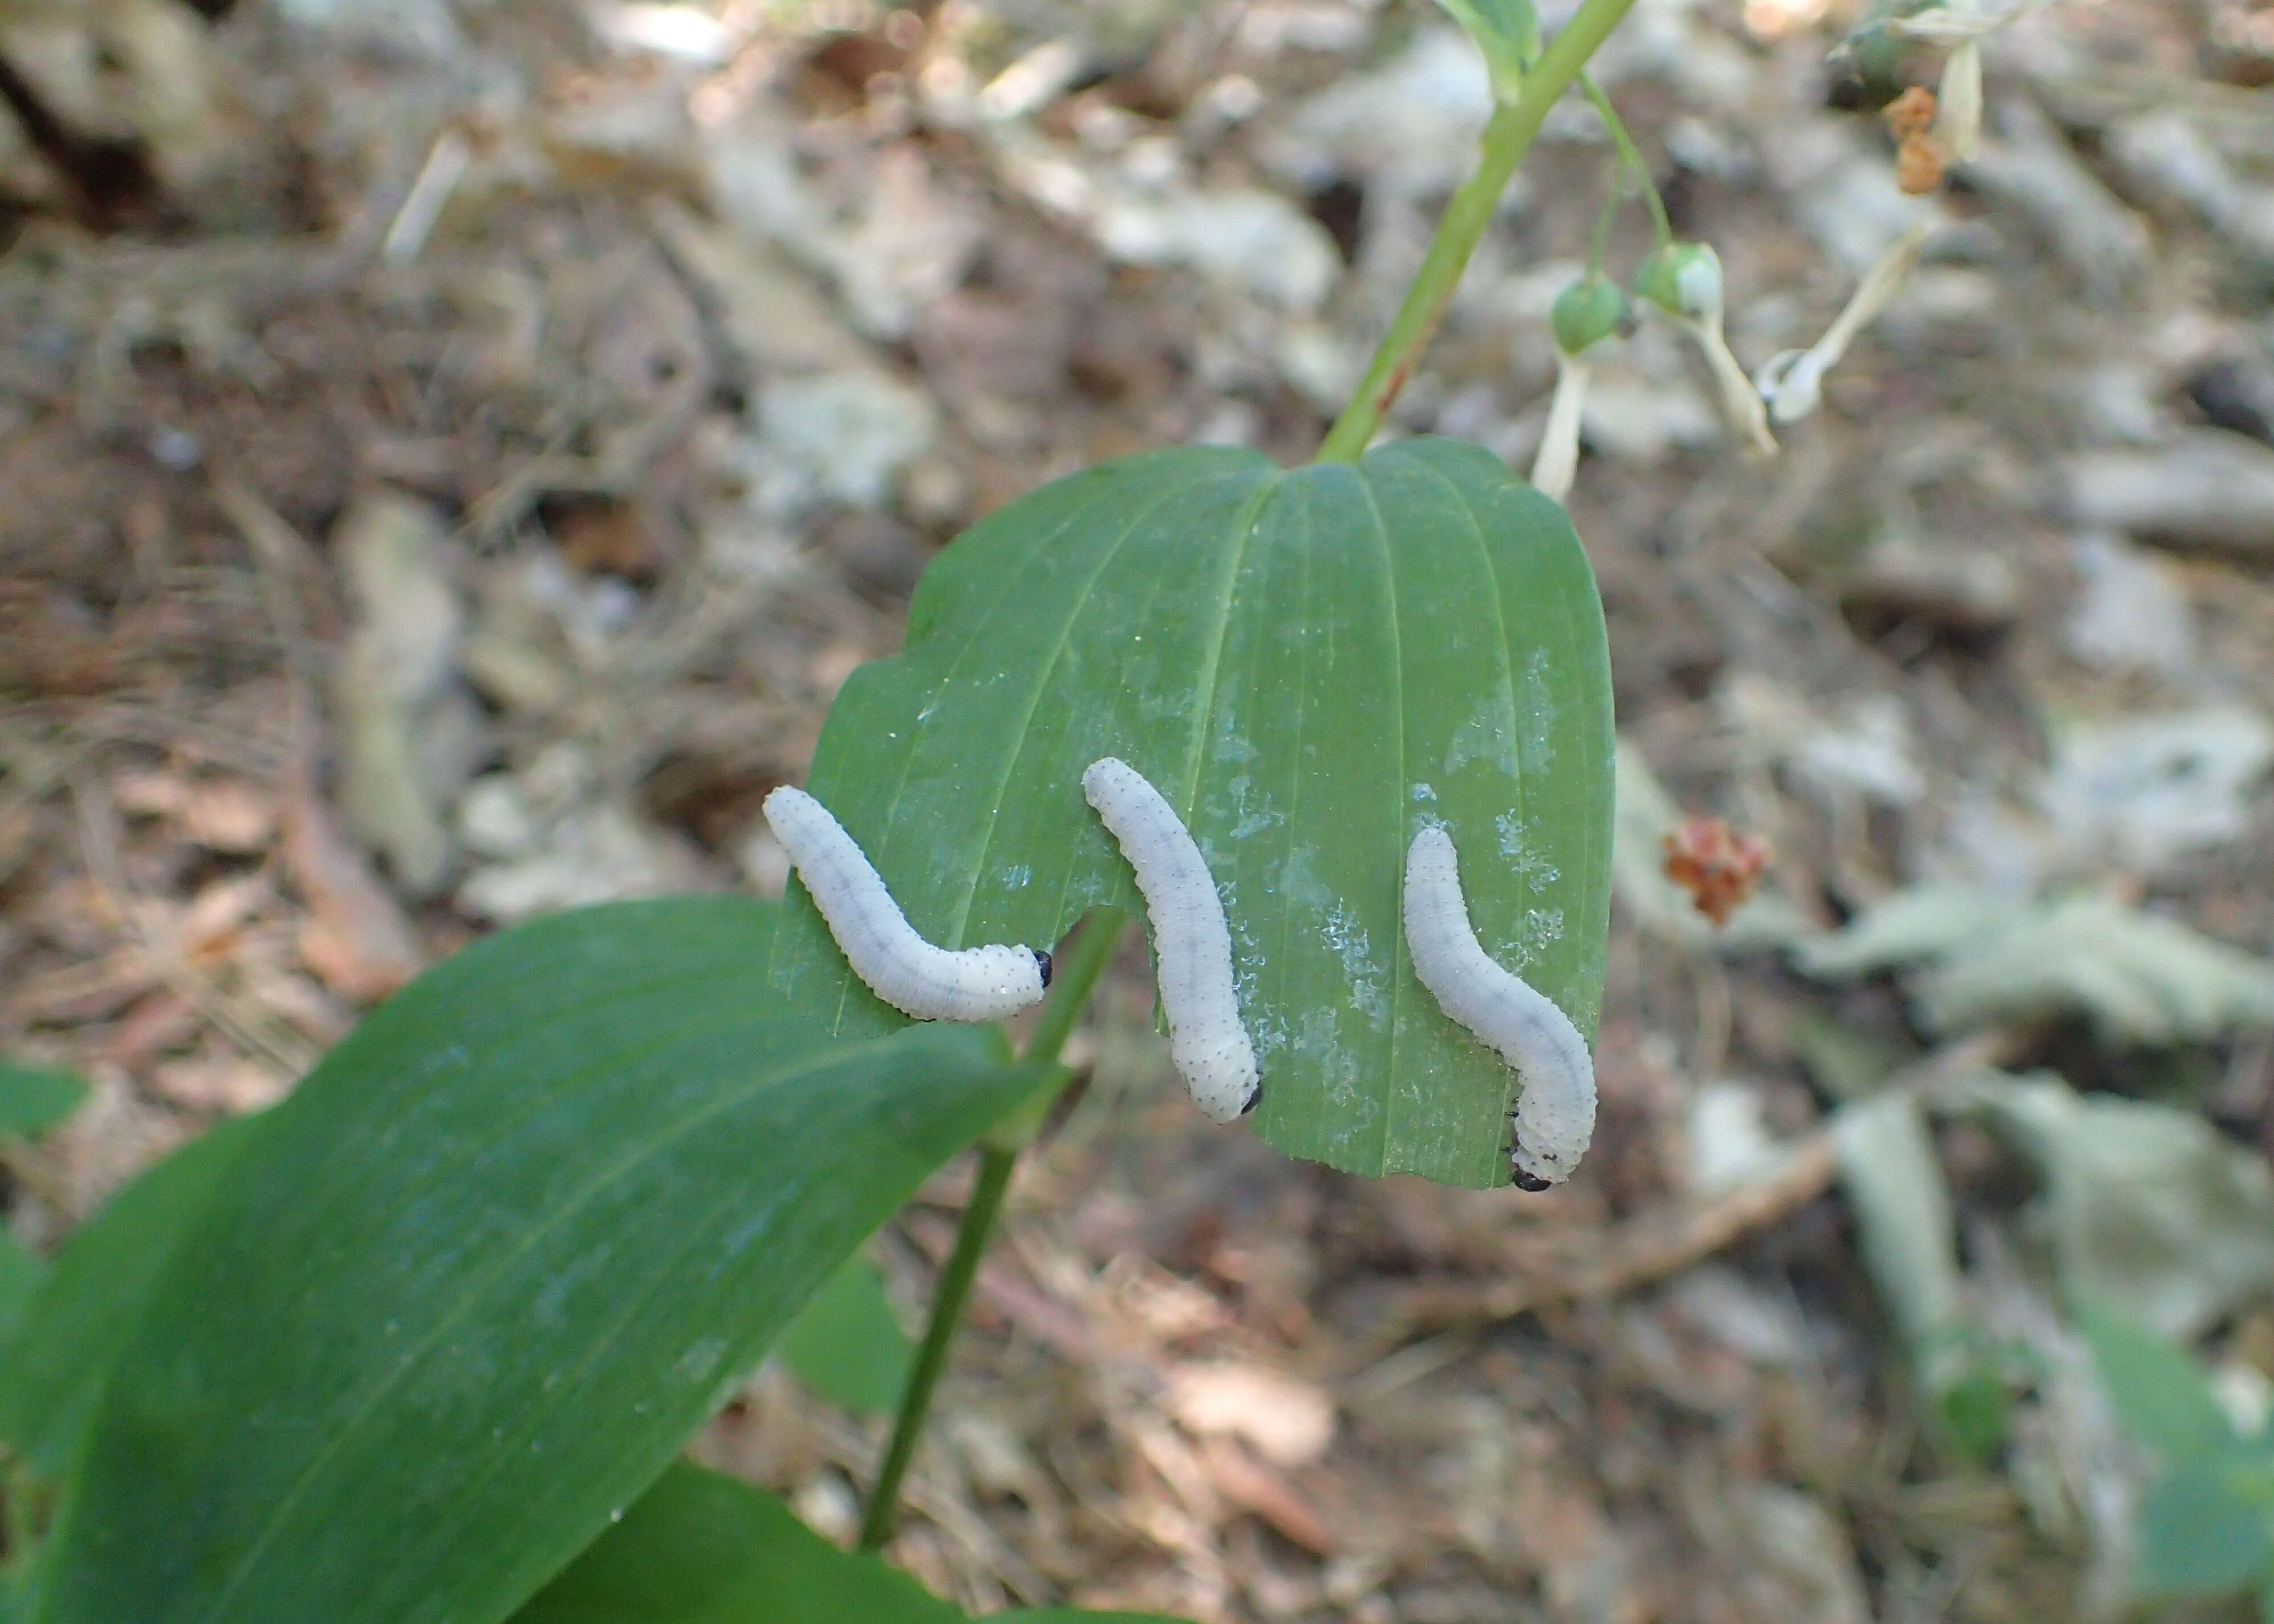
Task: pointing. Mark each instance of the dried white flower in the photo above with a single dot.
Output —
(1961, 26)
(1685, 280)
(1557, 462)
(1957, 20)
(1958, 104)
(1587, 314)
(1792, 384)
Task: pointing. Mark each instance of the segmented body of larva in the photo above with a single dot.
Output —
(1206, 1042)
(1555, 1114)
(899, 966)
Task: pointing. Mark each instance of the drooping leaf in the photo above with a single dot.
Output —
(701, 1548)
(2152, 1212)
(34, 1098)
(847, 1345)
(474, 1283)
(83, 1312)
(1310, 665)
(1893, 1181)
(2155, 1389)
(2138, 979)
(2207, 1528)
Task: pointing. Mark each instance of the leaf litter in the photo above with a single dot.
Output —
(673, 355)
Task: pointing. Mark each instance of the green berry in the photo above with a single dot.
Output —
(1684, 279)
(1587, 312)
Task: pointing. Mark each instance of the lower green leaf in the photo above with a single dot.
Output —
(83, 1312)
(702, 1548)
(20, 1274)
(34, 1098)
(847, 1345)
(478, 1281)
(2156, 1389)
(2207, 1528)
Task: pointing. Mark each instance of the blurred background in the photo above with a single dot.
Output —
(452, 450)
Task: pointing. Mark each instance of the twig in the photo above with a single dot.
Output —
(1636, 1252)
(445, 165)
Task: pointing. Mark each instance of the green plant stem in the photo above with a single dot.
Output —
(948, 1300)
(1076, 977)
(1073, 979)
(1507, 136)
(1598, 243)
(1630, 156)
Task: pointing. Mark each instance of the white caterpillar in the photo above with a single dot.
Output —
(1206, 1042)
(907, 971)
(1555, 1114)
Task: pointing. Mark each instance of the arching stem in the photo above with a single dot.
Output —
(1077, 971)
(1507, 136)
(1631, 159)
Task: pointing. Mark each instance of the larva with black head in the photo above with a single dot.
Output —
(899, 966)
(1555, 1116)
(1208, 1042)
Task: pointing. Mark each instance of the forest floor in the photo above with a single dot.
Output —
(450, 453)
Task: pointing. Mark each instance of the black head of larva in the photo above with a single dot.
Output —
(1531, 1182)
(1042, 963)
(1254, 1098)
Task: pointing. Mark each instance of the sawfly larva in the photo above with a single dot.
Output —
(1555, 1113)
(1191, 944)
(907, 971)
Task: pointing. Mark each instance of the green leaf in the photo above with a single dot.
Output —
(1310, 665)
(480, 1278)
(701, 1548)
(20, 1274)
(34, 1098)
(76, 1324)
(2157, 1391)
(1508, 33)
(848, 1344)
(2206, 1529)
(1975, 1413)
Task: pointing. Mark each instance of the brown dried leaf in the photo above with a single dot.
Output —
(162, 1020)
(356, 939)
(230, 1084)
(230, 816)
(1290, 1421)
(1251, 1485)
